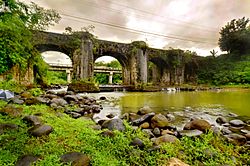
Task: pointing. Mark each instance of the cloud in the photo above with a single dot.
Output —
(196, 24)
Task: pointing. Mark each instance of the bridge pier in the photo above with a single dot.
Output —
(111, 78)
(69, 76)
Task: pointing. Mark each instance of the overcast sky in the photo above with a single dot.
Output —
(185, 24)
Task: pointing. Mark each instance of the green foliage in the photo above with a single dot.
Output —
(36, 91)
(101, 78)
(235, 36)
(12, 86)
(77, 135)
(224, 70)
(17, 19)
(56, 77)
(15, 46)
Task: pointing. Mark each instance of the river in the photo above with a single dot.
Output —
(217, 102)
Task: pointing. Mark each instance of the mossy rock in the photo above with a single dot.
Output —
(80, 86)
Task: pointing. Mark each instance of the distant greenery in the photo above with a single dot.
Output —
(56, 77)
(225, 70)
(77, 135)
(103, 78)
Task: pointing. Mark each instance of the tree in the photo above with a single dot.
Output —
(235, 36)
(17, 20)
(213, 53)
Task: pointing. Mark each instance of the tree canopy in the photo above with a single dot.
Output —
(17, 20)
(235, 36)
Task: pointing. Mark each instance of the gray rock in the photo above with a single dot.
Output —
(221, 120)
(248, 136)
(50, 96)
(96, 108)
(143, 119)
(237, 123)
(75, 115)
(59, 101)
(17, 101)
(226, 124)
(157, 131)
(137, 142)
(170, 117)
(164, 139)
(40, 130)
(70, 98)
(114, 124)
(159, 121)
(232, 115)
(144, 110)
(32, 120)
(27, 160)
(226, 131)
(236, 139)
(148, 132)
(41, 100)
(190, 133)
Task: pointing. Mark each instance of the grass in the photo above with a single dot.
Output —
(77, 135)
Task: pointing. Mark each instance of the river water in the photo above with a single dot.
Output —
(215, 102)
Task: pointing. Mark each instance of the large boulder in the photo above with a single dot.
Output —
(236, 139)
(40, 130)
(159, 121)
(165, 139)
(114, 124)
(32, 120)
(236, 123)
(27, 160)
(70, 98)
(81, 86)
(198, 124)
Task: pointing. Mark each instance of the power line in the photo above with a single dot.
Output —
(136, 30)
(91, 4)
(168, 18)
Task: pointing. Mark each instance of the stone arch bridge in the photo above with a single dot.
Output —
(168, 67)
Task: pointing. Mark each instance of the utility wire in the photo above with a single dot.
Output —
(188, 24)
(136, 30)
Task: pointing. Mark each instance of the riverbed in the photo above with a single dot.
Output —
(216, 102)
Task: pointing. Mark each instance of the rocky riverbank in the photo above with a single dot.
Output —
(158, 128)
